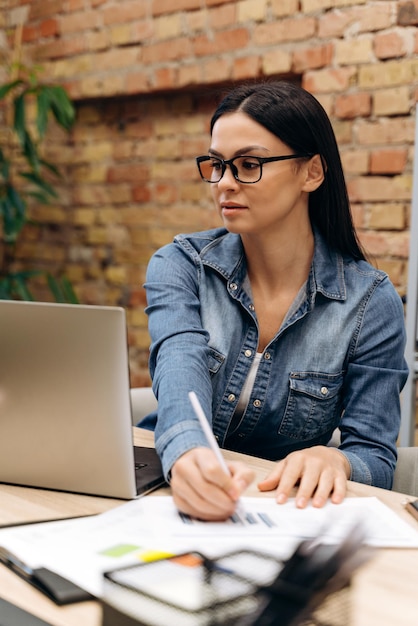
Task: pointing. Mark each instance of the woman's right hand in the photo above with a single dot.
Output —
(203, 490)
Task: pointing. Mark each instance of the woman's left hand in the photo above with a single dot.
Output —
(320, 472)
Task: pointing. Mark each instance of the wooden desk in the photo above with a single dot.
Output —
(385, 590)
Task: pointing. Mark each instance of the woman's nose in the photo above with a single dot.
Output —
(228, 180)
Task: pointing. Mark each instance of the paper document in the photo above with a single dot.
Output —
(82, 549)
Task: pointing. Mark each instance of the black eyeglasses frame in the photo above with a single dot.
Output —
(234, 170)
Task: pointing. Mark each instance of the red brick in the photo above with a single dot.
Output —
(44, 8)
(122, 12)
(353, 105)
(389, 45)
(164, 78)
(333, 23)
(62, 48)
(375, 243)
(388, 161)
(373, 17)
(136, 82)
(75, 5)
(246, 67)
(30, 33)
(165, 194)
(291, 29)
(190, 74)
(379, 188)
(223, 16)
(408, 13)
(128, 173)
(167, 51)
(385, 131)
(141, 193)
(216, 70)
(221, 42)
(48, 28)
(77, 22)
(313, 57)
(328, 80)
(160, 7)
(142, 30)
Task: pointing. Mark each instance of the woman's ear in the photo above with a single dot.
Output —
(314, 174)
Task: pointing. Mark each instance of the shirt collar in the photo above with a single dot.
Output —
(225, 254)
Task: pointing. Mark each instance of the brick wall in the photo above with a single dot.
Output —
(145, 76)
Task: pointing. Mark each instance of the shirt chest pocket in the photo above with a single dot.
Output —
(215, 360)
(313, 406)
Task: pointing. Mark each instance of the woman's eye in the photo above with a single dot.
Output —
(250, 164)
(216, 165)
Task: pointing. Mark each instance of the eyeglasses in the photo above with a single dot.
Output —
(245, 169)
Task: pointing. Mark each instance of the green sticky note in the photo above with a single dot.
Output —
(119, 550)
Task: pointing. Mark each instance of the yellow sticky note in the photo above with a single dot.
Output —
(154, 555)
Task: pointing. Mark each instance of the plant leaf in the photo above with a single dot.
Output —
(51, 167)
(55, 288)
(19, 123)
(30, 152)
(21, 288)
(4, 166)
(43, 105)
(69, 293)
(61, 106)
(17, 202)
(12, 223)
(40, 182)
(5, 89)
(5, 293)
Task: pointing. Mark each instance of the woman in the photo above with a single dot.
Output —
(277, 321)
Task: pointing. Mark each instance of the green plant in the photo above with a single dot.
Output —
(25, 175)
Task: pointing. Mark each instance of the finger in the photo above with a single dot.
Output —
(271, 481)
(242, 477)
(291, 475)
(200, 486)
(308, 485)
(326, 485)
(202, 509)
(340, 489)
(200, 498)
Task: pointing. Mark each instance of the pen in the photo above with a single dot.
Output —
(209, 435)
(208, 431)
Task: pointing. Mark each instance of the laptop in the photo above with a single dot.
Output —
(65, 406)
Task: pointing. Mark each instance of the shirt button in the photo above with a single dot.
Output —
(324, 391)
(267, 356)
(251, 307)
(257, 403)
(231, 397)
(248, 353)
(233, 286)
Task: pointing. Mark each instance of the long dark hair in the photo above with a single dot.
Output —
(299, 120)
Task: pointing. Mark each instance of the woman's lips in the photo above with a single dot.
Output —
(231, 208)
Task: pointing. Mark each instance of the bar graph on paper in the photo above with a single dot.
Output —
(246, 518)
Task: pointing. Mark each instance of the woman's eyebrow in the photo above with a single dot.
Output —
(241, 151)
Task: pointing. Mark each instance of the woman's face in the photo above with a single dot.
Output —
(278, 199)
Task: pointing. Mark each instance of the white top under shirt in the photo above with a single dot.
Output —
(249, 383)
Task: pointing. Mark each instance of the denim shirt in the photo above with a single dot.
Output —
(336, 361)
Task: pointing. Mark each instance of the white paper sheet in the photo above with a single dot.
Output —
(143, 529)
